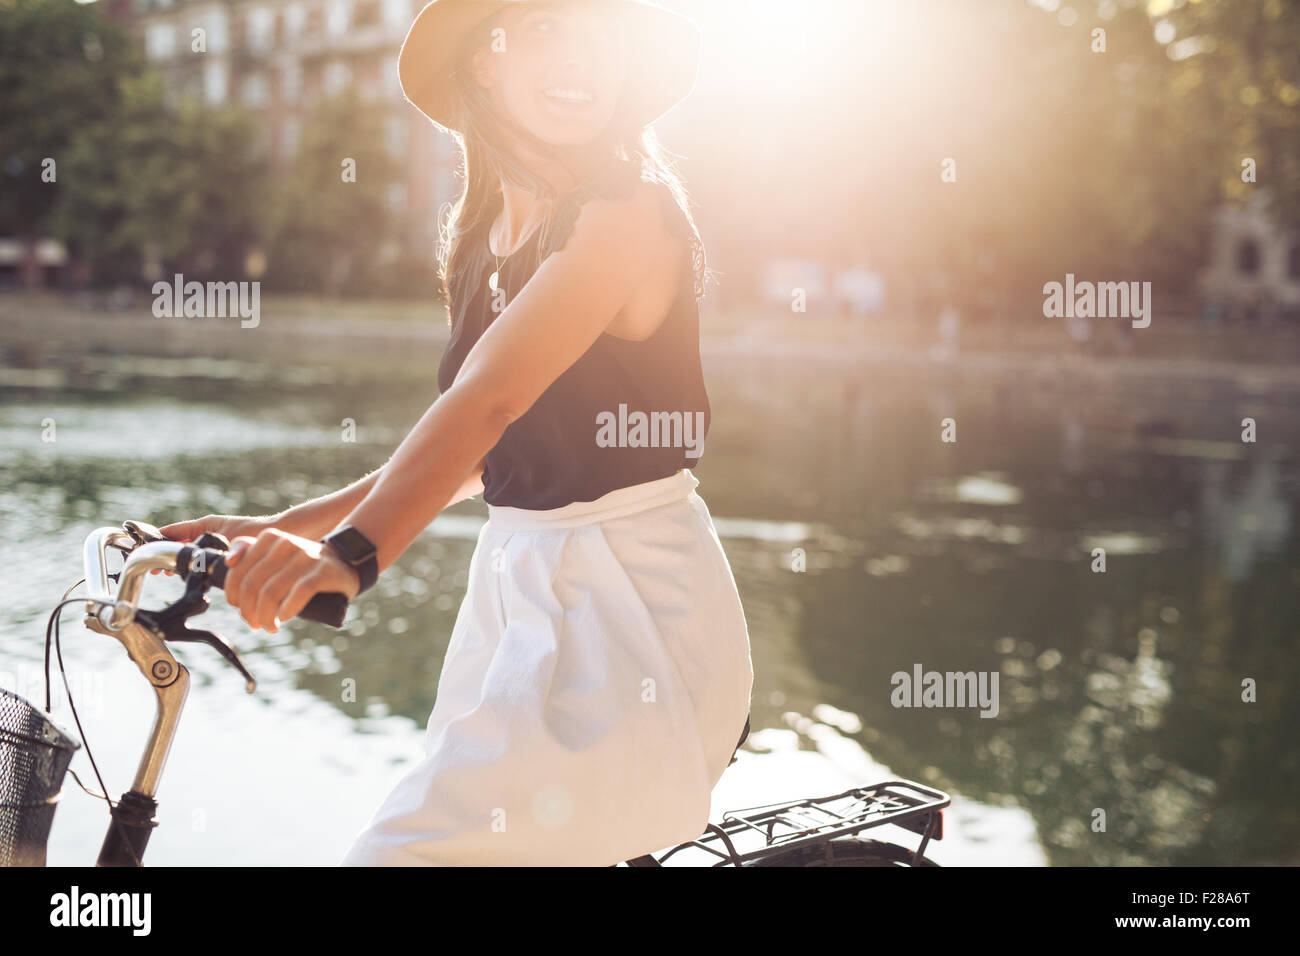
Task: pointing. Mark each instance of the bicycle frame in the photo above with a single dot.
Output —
(780, 828)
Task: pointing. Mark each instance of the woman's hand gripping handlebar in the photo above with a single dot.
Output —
(203, 561)
(207, 557)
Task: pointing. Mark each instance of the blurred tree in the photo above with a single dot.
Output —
(1106, 164)
(1238, 61)
(178, 189)
(59, 62)
(328, 233)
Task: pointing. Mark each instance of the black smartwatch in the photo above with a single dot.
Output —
(356, 550)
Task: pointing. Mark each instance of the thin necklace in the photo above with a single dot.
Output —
(495, 278)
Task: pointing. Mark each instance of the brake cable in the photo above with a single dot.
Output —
(53, 626)
(170, 624)
(58, 648)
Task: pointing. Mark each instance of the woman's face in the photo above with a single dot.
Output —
(556, 69)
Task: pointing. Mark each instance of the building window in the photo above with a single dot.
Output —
(397, 15)
(214, 81)
(337, 18)
(337, 76)
(216, 24)
(295, 18)
(160, 41)
(260, 29)
(1248, 257)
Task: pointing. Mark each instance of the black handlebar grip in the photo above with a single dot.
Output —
(326, 607)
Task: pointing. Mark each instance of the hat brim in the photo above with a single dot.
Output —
(661, 66)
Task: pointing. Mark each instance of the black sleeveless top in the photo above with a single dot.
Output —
(626, 412)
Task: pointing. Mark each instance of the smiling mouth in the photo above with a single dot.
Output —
(573, 96)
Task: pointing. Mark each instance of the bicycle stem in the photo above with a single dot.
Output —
(171, 684)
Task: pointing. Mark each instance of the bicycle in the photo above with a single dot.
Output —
(35, 753)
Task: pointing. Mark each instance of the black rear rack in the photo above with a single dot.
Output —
(783, 827)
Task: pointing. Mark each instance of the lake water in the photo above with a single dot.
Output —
(863, 545)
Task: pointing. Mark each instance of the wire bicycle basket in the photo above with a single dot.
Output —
(34, 758)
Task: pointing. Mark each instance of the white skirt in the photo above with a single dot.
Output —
(595, 687)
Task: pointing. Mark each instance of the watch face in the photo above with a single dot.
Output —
(352, 543)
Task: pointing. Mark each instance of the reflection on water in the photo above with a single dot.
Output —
(1249, 522)
(862, 545)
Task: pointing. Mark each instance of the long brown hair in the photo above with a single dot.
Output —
(486, 161)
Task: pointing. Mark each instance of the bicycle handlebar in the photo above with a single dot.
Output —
(326, 607)
(148, 550)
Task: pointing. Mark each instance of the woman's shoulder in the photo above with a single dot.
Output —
(643, 194)
(618, 182)
(624, 181)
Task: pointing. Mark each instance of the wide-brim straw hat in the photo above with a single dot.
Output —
(662, 60)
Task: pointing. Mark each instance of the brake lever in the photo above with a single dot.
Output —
(223, 646)
(171, 624)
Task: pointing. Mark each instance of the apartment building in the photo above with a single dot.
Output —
(278, 57)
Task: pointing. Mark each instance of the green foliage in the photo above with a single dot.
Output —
(1068, 160)
(59, 61)
(328, 233)
(1104, 164)
(182, 188)
(147, 185)
(1244, 86)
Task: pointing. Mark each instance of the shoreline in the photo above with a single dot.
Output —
(48, 337)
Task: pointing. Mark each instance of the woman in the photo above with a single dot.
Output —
(598, 676)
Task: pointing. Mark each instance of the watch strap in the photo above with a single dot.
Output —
(367, 567)
(369, 573)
